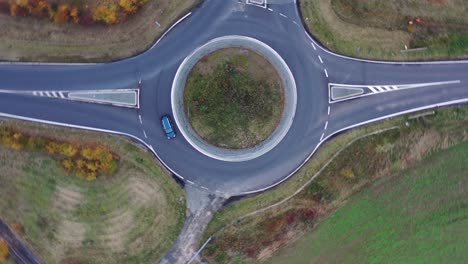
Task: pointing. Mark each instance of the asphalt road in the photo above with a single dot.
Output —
(280, 28)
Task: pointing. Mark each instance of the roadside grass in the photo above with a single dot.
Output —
(234, 98)
(379, 30)
(365, 160)
(30, 39)
(416, 216)
(130, 217)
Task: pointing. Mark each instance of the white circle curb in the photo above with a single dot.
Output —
(177, 99)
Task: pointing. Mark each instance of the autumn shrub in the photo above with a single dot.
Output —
(4, 250)
(63, 14)
(106, 13)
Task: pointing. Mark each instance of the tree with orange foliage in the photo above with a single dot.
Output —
(106, 14)
(4, 250)
(75, 14)
(129, 6)
(63, 14)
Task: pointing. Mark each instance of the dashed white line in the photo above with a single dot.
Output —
(326, 125)
(313, 46)
(328, 110)
(270, 9)
(191, 182)
(295, 23)
(326, 72)
(320, 58)
(144, 134)
(323, 134)
(203, 187)
(141, 121)
(283, 15)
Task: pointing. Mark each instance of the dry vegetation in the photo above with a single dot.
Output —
(381, 29)
(130, 217)
(39, 31)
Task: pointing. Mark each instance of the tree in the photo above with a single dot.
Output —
(129, 6)
(4, 250)
(106, 14)
(63, 14)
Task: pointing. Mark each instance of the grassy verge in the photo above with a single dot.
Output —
(234, 98)
(418, 216)
(130, 217)
(380, 30)
(258, 237)
(31, 39)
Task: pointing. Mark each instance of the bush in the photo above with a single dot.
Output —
(4, 250)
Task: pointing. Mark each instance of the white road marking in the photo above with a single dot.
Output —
(47, 94)
(61, 95)
(141, 121)
(395, 87)
(326, 125)
(328, 110)
(313, 46)
(34, 93)
(326, 73)
(191, 182)
(295, 23)
(379, 89)
(323, 134)
(203, 187)
(144, 134)
(54, 94)
(41, 94)
(283, 15)
(270, 9)
(372, 89)
(320, 58)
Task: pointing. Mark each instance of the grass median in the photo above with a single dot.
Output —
(359, 162)
(132, 216)
(234, 98)
(381, 30)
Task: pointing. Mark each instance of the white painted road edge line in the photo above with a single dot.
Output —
(167, 31)
(459, 101)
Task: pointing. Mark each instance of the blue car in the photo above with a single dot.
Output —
(168, 127)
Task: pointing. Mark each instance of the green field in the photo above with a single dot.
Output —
(358, 159)
(132, 216)
(418, 216)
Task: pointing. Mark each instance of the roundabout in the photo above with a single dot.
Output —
(289, 98)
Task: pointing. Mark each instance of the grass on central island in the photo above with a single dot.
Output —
(233, 98)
